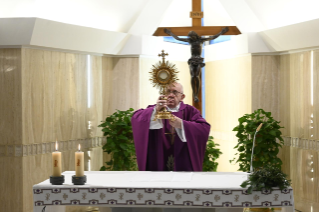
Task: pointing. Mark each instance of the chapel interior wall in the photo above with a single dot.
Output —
(285, 85)
(228, 97)
(46, 99)
(298, 112)
(10, 129)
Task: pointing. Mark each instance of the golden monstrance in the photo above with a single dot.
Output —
(163, 74)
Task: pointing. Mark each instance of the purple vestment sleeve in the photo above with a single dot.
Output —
(196, 132)
(140, 125)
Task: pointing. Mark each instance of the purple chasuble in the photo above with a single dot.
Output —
(155, 148)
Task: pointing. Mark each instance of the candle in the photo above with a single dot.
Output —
(79, 163)
(56, 162)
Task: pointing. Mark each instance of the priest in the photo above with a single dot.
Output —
(170, 145)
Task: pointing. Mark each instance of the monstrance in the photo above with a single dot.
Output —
(163, 74)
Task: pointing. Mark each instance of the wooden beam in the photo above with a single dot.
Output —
(197, 6)
(201, 31)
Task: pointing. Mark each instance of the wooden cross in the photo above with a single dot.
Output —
(197, 16)
(197, 27)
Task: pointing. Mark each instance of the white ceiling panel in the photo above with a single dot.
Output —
(278, 13)
(113, 15)
(215, 14)
(177, 15)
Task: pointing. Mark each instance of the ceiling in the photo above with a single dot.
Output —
(144, 16)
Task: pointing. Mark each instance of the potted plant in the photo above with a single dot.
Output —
(263, 179)
(266, 145)
(118, 130)
(211, 154)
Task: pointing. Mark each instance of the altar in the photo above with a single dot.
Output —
(219, 190)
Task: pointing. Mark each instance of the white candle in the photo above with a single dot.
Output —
(56, 162)
(79, 163)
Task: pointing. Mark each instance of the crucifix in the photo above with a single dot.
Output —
(196, 41)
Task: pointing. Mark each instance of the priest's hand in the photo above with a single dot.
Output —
(161, 103)
(176, 122)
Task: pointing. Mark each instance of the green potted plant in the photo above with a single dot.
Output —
(266, 145)
(118, 130)
(211, 154)
(266, 178)
(263, 179)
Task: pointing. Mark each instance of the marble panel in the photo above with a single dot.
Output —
(123, 92)
(96, 159)
(228, 97)
(265, 83)
(95, 115)
(10, 95)
(48, 148)
(35, 84)
(284, 155)
(24, 150)
(315, 118)
(18, 150)
(107, 74)
(11, 197)
(61, 146)
(228, 92)
(2, 150)
(300, 89)
(35, 169)
(284, 94)
(10, 150)
(54, 95)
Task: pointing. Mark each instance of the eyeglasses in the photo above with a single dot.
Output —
(168, 92)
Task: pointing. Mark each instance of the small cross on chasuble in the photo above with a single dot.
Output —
(172, 135)
(170, 160)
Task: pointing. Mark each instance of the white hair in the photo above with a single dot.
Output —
(178, 84)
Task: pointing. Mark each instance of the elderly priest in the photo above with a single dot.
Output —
(170, 145)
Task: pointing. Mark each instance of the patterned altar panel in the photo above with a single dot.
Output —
(162, 197)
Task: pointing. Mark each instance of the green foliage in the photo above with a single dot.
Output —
(266, 178)
(119, 145)
(266, 146)
(211, 154)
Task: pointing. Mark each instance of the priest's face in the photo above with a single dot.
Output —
(174, 95)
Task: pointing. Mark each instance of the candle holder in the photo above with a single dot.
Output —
(57, 180)
(79, 180)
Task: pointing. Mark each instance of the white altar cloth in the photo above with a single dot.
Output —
(159, 189)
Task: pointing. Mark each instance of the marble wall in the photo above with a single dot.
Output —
(235, 87)
(299, 114)
(228, 97)
(10, 129)
(265, 83)
(10, 98)
(120, 78)
(287, 86)
(52, 95)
